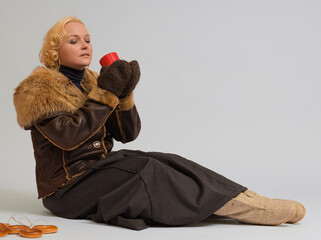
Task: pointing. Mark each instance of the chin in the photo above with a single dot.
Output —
(82, 66)
(86, 64)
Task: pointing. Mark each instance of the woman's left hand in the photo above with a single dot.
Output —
(133, 80)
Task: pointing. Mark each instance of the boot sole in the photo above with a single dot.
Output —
(286, 219)
(303, 215)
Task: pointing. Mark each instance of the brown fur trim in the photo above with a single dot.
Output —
(89, 81)
(103, 96)
(47, 92)
(126, 103)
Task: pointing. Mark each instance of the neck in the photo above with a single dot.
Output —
(74, 75)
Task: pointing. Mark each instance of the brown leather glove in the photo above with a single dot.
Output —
(133, 80)
(115, 77)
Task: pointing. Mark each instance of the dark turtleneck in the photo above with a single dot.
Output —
(74, 75)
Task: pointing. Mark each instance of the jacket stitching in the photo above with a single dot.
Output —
(123, 136)
(82, 142)
(64, 165)
(103, 142)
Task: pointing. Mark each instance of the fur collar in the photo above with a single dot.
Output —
(47, 92)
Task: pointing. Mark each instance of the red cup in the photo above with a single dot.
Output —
(108, 59)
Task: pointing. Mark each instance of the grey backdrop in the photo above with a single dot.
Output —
(233, 85)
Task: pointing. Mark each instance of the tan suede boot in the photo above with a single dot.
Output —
(300, 212)
(300, 209)
(263, 211)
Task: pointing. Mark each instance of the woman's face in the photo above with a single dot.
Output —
(76, 49)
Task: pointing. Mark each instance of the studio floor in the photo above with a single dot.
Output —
(26, 205)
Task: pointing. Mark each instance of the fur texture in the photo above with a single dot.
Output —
(115, 77)
(47, 92)
(126, 103)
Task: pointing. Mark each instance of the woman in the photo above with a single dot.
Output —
(74, 115)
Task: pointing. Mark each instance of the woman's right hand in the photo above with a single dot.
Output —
(115, 77)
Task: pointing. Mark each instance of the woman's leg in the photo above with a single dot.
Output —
(249, 207)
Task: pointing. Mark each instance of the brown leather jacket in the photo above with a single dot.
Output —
(71, 130)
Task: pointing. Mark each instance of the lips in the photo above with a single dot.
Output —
(85, 55)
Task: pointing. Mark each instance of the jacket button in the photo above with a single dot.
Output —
(96, 144)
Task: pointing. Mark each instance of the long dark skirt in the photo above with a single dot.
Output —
(137, 189)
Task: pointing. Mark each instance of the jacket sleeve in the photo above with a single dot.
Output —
(68, 131)
(124, 123)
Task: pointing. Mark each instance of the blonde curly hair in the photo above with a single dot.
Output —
(52, 41)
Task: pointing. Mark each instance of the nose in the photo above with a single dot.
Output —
(84, 45)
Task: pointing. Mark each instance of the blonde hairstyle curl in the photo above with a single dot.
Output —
(52, 41)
